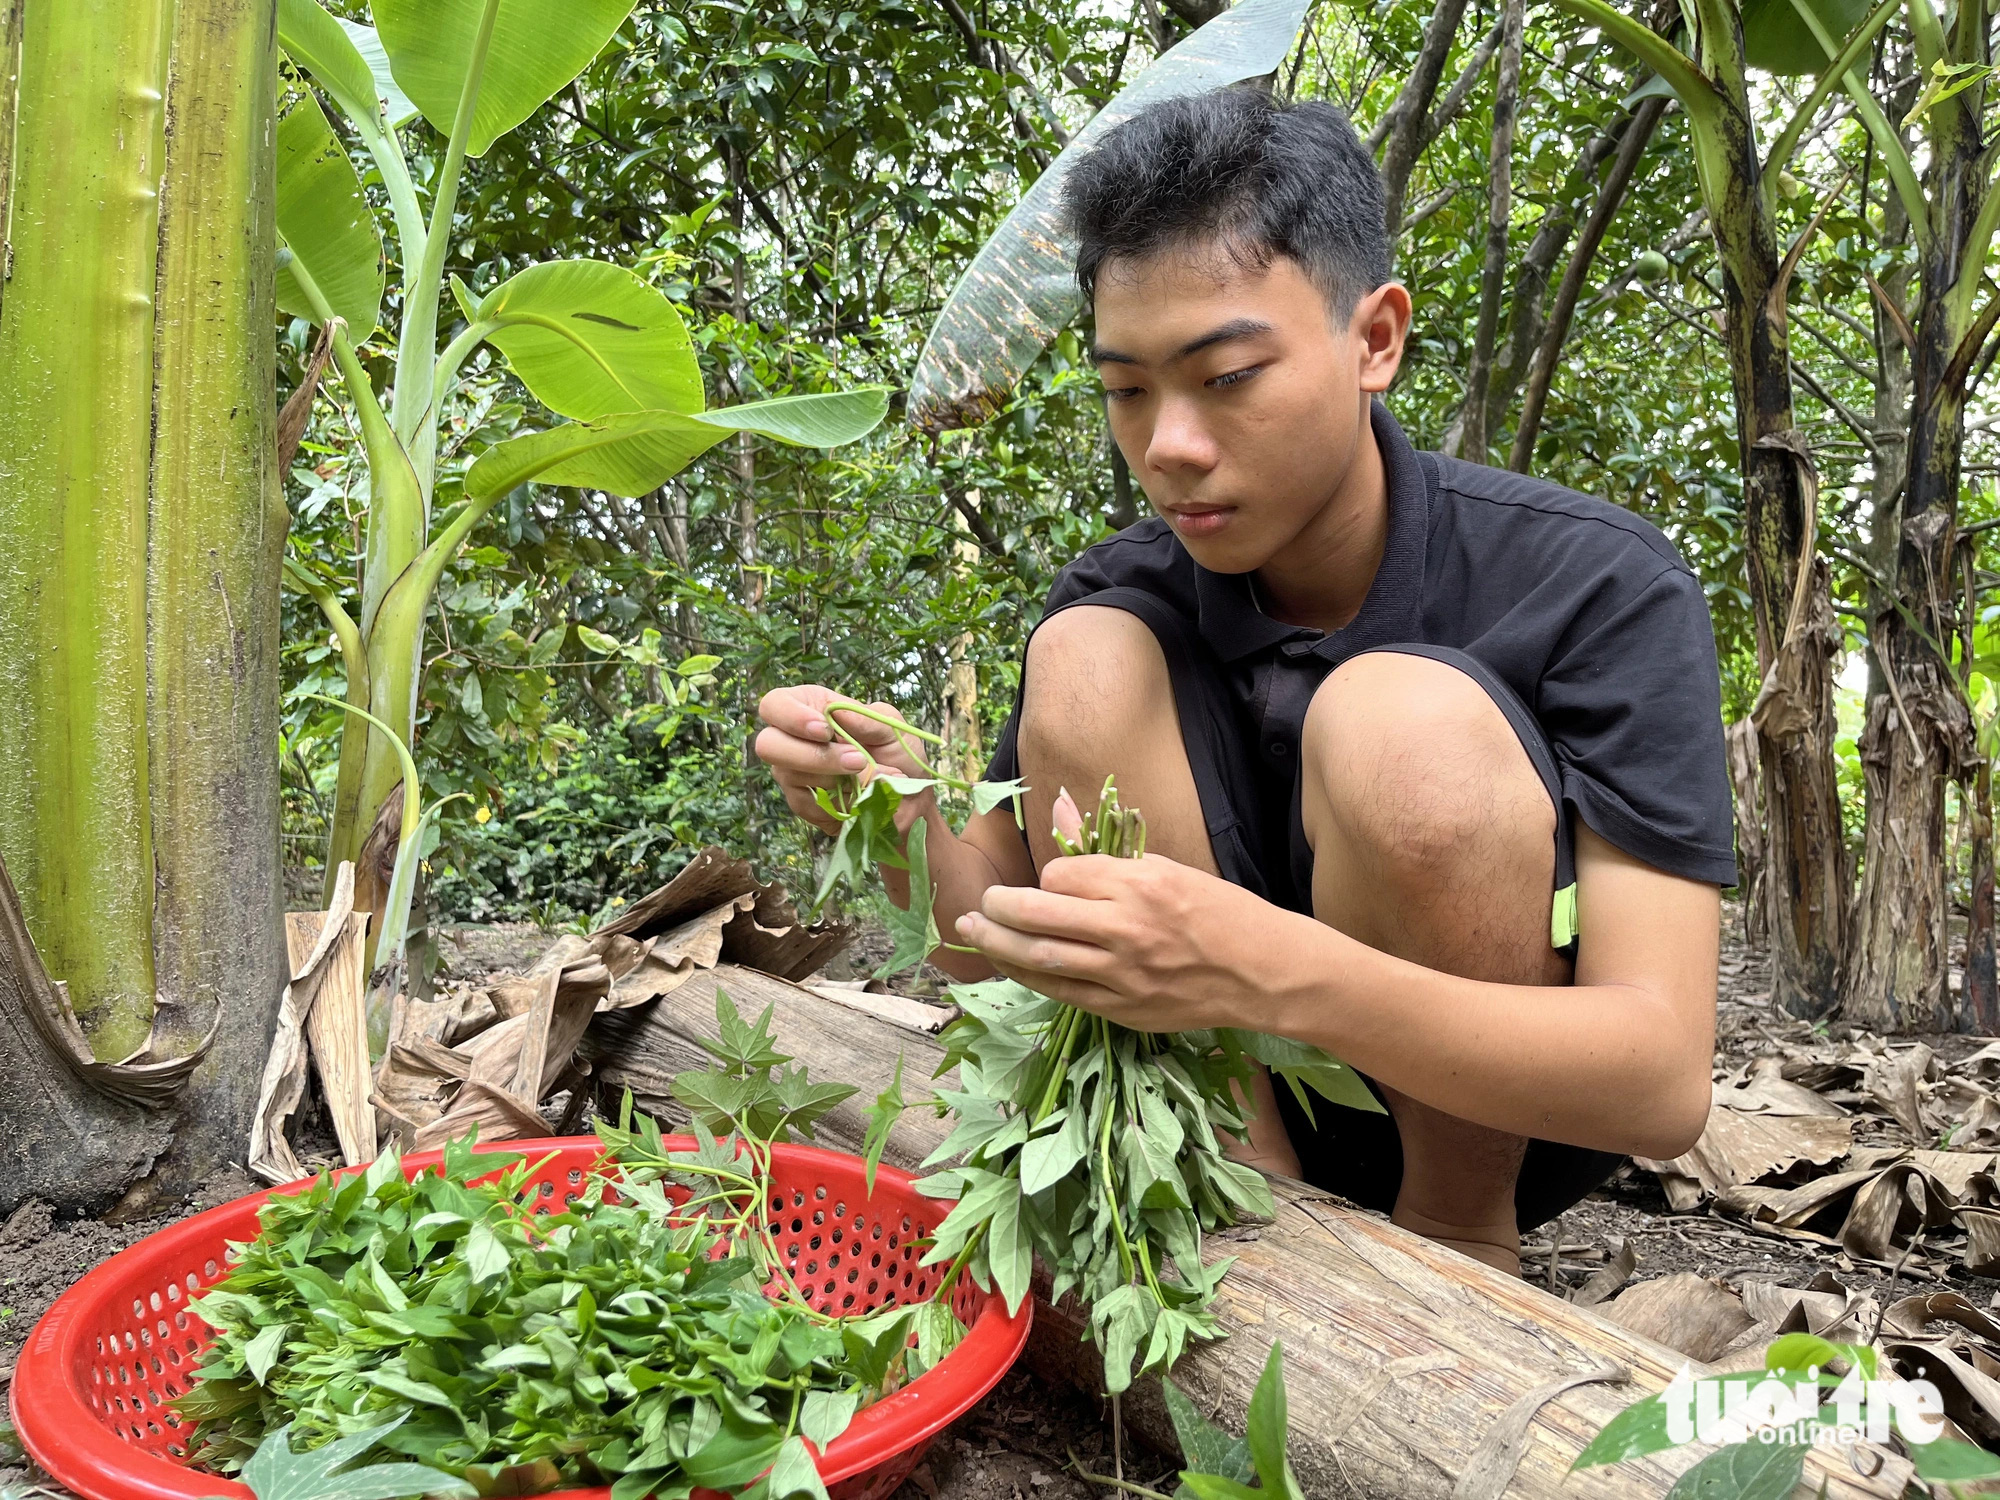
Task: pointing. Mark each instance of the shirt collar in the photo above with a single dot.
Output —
(1227, 614)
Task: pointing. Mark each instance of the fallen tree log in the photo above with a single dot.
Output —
(1413, 1371)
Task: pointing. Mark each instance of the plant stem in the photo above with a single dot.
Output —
(416, 353)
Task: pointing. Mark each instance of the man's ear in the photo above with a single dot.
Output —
(1381, 324)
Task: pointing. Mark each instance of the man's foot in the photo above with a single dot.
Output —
(1498, 1245)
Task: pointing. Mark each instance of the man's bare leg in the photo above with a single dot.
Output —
(1434, 839)
(1098, 701)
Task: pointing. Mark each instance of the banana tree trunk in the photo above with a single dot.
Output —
(76, 411)
(141, 526)
(1806, 869)
(1919, 732)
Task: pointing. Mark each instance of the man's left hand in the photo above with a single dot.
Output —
(1149, 943)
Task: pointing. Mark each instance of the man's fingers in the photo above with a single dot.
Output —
(869, 731)
(1028, 909)
(1091, 877)
(1032, 949)
(790, 755)
(798, 711)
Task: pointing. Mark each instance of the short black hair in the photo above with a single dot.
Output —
(1255, 176)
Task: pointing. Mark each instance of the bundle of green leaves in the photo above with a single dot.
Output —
(642, 1338)
(1221, 1467)
(1096, 1147)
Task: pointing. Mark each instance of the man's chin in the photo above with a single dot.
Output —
(1227, 554)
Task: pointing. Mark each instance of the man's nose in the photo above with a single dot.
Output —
(1180, 439)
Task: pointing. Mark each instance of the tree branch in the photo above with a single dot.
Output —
(1454, 101)
(1405, 117)
(1645, 120)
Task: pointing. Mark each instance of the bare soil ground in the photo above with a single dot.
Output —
(1025, 1442)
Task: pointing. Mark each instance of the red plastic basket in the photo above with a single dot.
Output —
(90, 1392)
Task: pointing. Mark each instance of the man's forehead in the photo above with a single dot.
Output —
(1165, 307)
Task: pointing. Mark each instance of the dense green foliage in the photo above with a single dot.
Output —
(646, 1334)
(811, 177)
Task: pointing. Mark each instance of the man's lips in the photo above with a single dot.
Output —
(1206, 521)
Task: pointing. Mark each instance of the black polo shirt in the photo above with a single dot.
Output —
(1583, 609)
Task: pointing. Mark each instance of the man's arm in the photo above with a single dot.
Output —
(1618, 1062)
(803, 752)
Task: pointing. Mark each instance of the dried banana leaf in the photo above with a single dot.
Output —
(141, 1078)
(1020, 291)
(271, 1156)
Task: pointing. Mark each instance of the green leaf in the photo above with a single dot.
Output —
(1206, 1447)
(1946, 1460)
(1215, 1487)
(912, 928)
(1947, 80)
(590, 339)
(1008, 1251)
(1268, 1425)
(485, 1255)
(274, 1472)
(326, 224)
(318, 43)
(634, 453)
(987, 795)
(396, 105)
(824, 1415)
(1304, 1066)
(795, 1473)
(1020, 290)
(1744, 1471)
(882, 1117)
(1639, 1429)
(1800, 1351)
(743, 1446)
(537, 47)
(598, 641)
(1047, 1159)
(1774, 39)
(262, 1352)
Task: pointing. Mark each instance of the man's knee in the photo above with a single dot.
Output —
(1096, 669)
(1408, 760)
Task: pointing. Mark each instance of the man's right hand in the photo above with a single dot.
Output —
(799, 745)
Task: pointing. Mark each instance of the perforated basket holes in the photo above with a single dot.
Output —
(558, 1184)
(142, 1355)
(847, 1258)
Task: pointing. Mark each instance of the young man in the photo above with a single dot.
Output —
(1430, 753)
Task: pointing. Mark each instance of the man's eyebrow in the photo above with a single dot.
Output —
(1235, 328)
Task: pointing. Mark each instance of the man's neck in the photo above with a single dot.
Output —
(1322, 577)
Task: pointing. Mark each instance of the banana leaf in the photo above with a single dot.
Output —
(1020, 290)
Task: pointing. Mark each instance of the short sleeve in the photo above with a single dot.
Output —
(1633, 709)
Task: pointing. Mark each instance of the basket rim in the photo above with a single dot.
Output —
(67, 1439)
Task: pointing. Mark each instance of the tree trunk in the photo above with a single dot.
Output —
(1796, 635)
(76, 414)
(1555, 330)
(1527, 313)
(1404, 1359)
(1407, 115)
(1472, 439)
(218, 526)
(1919, 731)
(1980, 1011)
(142, 526)
(1745, 784)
